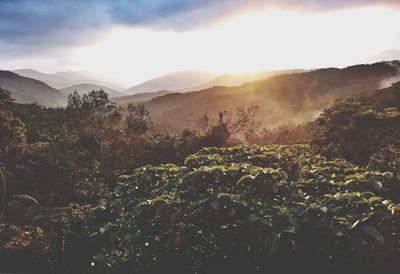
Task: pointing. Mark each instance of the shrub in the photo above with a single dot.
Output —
(251, 209)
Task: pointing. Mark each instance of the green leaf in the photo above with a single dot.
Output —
(374, 199)
(324, 209)
(245, 178)
(374, 233)
(353, 224)
(93, 234)
(283, 174)
(100, 257)
(215, 204)
(289, 229)
(275, 240)
(253, 217)
(376, 185)
(388, 175)
(233, 211)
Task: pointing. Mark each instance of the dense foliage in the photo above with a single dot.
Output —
(59, 163)
(96, 188)
(356, 129)
(251, 209)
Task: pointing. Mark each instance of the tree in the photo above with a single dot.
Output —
(13, 137)
(229, 128)
(138, 120)
(5, 97)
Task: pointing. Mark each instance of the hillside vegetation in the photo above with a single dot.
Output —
(86, 88)
(92, 188)
(231, 80)
(276, 208)
(138, 97)
(282, 100)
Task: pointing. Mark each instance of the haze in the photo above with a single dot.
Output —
(299, 34)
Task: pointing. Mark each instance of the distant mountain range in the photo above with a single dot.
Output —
(176, 81)
(283, 97)
(231, 80)
(28, 90)
(192, 80)
(60, 80)
(282, 100)
(86, 88)
(387, 55)
(227, 80)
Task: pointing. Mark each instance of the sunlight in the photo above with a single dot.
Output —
(200, 136)
(263, 40)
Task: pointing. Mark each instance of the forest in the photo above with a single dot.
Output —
(96, 188)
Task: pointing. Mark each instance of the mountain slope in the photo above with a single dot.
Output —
(81, 77)
(27, 90)
(65, 79)
(86, 88)
(52, 80)
(174, 81)
(139, 97)
(231, 80)
(282, 99)
(387, 55)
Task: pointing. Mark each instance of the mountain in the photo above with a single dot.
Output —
(28, 90)
(52, 80)
(139, 97)
(231, 80)
(176, 81)
(65, 79)
(80, 77)
(86, 88)
(222, 80)
(387, 55)
(282, 100)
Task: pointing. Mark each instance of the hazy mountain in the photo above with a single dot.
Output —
(282, 99)
(111, 82)
(387, 55)
(139, 97)
(52, 80)
(65, 79)
(222, 80)
(86, 88)
(174, 81)
(28, 90)
(231, 80)
(81, 77)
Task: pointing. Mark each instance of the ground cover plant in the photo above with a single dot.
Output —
(252, 209)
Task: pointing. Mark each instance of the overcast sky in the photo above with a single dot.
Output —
(136, 40)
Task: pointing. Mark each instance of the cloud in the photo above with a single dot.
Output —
(29, 26)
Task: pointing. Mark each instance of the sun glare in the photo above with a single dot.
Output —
(263, 40)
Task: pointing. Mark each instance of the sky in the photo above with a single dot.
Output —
(132, 41)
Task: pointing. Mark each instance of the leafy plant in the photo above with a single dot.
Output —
(250, 204)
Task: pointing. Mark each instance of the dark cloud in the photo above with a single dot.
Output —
(30, 25)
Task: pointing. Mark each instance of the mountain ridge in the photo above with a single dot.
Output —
(283, 99)
(28, 90)
(63, 79)
(175, 81)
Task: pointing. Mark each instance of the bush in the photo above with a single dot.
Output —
(386, 159)
(356, 129)
(249, 209)
(23, 248)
